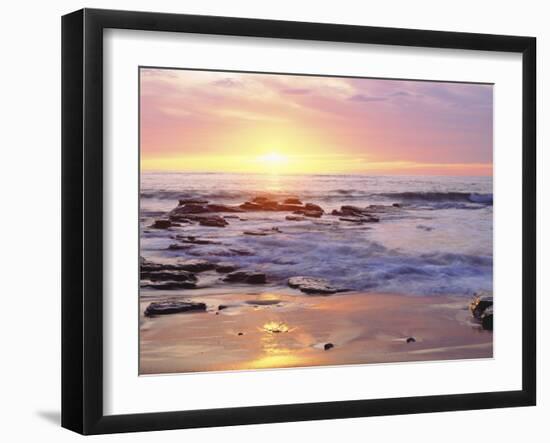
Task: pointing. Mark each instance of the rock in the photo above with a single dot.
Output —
(261, 199)
(240, 333)
(328, 346)
(222, 307)
(410, 340)
(292, 201)
(170, 285)
(295, 218)
(192, 201)
(312, 285)
(196, 241)
(224, 267)
(351, 210)
(396, 205)
(249, 277)
(214, 221)
(178, 247)
(480, 303)
(313, 207)
(161, 224)
(487, 319)
(190, 208)
(196, 265)
(249, 206)
(172, 307)
(223, 208)
(168, 276)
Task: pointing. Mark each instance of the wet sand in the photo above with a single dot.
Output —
(278, 329)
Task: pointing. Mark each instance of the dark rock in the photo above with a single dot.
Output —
(351, 210)
(480, 303)
(170, 285)
(328, 346)
(292, 201)
(224, 268)
(223, 208)
(196, 265)
(192, 201)
(250, 277)
(172, 307)
(396, 205)
(411, 340)
(178, 247)
(168, 276)
(161, 224)
(240, 333)
(196, 241)
(249, 206)
(222, 307)
(312, 285)
(190, 208)
(487, 319)
(313, 207)
(214, 221)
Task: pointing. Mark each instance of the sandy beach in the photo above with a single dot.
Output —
(279, 328)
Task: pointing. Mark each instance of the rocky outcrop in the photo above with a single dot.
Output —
(192, 201)
(250, 277)
(196, 265)
(487, 319)
(312, 285)
(482, 301)
(225, 267)
(172, 307)
(170, 285)
(162, 224)
(482, 309)
(292, 204)
(168, 275)
(292, 201)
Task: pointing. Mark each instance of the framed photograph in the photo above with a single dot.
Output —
(268, 221)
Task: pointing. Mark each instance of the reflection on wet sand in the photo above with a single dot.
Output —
(276, 330)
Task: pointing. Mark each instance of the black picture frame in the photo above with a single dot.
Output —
(82, 218)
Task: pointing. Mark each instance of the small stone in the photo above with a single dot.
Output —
(328, 346)
(240, 333)
(411, 340)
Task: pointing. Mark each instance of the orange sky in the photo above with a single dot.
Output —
(232, 122)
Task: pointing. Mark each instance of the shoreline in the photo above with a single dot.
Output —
(271, 328)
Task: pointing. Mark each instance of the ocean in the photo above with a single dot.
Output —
(439, 242)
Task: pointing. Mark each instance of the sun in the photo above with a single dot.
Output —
(273, 159)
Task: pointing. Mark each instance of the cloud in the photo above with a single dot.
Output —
(367, 98)
(296, 91)
(401, 94)
(226, 83)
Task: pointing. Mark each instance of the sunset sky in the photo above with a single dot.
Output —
(232, 122)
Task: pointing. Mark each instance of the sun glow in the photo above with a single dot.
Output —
(273, 158)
